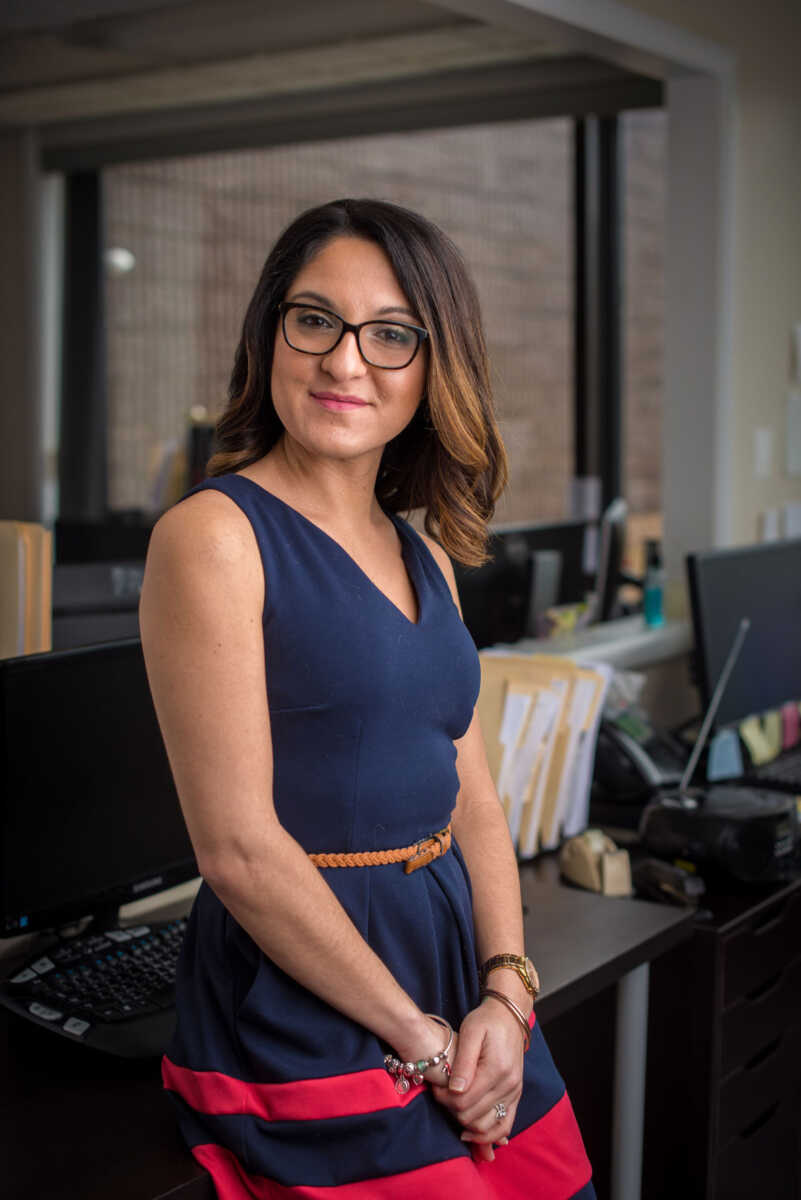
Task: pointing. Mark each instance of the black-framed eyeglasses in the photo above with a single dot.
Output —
(390, 345)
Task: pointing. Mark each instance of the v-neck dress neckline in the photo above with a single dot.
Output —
(409, 558)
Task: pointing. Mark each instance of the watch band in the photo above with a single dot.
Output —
(518, 963)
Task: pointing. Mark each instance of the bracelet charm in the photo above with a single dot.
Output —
(406, 1071)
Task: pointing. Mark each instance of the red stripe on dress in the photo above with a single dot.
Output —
(551, 1156)
(547, 1160)
(305, 1100)
(347, 1095)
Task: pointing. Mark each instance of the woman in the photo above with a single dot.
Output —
(316, 688)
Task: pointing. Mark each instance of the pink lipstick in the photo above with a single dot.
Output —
(338, 403)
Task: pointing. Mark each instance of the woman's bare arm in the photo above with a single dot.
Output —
(489, 1055)
(201, 627)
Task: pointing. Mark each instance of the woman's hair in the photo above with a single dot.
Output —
(450, 459)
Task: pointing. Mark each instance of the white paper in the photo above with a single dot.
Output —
(792, 520)
(583, 694)
(770, 525)
(794, 431)
(585, 497)
(515, 713)
(763, 452)
(530, 823)
(540, 728)
(578, 808)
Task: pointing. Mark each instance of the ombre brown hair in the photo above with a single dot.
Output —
(449, 460)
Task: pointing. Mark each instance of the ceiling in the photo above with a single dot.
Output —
(121, 78)
(43, 47)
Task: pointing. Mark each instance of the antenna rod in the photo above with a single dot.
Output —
(717, 696)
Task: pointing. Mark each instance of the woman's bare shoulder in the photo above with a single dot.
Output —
(208, 525)
(201, 548)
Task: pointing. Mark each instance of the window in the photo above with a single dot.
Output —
(198, 230)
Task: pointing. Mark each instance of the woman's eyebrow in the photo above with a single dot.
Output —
(326, 303)
(323, 300)
(398, 308)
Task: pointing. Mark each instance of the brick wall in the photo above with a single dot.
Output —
(201, 227)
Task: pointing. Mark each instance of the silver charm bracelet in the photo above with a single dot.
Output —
(407, 1073)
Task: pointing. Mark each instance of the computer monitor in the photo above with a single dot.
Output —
(610, 561)
(89, 815)
(96, 602)
(495, 597)
(761, 582)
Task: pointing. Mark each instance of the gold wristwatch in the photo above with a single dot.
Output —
(522, 966)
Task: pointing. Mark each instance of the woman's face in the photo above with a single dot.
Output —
(336, 405)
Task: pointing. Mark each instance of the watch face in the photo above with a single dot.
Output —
(532, 974)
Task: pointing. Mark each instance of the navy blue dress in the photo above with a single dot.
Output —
(277, 1093)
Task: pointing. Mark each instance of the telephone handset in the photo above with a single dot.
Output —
(633, 760)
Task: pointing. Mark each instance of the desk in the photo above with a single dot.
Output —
(83, 1127)
(582, 943)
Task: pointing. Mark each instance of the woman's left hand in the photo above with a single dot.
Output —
(487, 1070)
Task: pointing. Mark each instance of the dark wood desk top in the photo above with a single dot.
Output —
(581, 942)
(83, 1126)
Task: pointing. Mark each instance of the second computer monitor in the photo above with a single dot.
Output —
(763, 583)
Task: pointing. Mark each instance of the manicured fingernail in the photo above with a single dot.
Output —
(503, 1142)
(466, 1137)
(457, 1084)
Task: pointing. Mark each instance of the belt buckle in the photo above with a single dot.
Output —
(427, 850)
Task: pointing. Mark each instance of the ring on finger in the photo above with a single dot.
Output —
(500, 1110)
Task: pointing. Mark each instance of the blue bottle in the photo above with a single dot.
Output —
(653, 585)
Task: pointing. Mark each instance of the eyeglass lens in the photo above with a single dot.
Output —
(382, 343)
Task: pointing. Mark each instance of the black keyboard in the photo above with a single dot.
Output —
(113, 990)
(783, 772)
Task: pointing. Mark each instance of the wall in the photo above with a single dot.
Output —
(766, 38)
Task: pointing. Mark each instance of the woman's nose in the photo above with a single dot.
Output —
(345, 360)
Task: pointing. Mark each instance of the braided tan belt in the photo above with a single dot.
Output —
(418, 855)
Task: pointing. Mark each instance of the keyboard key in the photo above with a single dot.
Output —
(47, 1014)
(24, 976)
(76, 1026)
(42, 965)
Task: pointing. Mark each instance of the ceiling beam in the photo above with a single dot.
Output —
(351, 62)
(543, 88)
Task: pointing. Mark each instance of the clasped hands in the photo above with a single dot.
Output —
(486, 1069)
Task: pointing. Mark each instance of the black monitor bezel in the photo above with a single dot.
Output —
(694, 564)
(108, 900)
(508, 624)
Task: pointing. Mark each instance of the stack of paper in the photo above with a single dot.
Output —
(26, 588)
(540, 716)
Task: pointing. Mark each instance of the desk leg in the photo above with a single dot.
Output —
(631, 1036)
